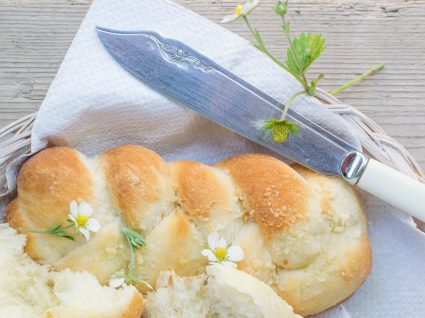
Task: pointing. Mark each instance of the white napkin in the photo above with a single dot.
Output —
(94, 104)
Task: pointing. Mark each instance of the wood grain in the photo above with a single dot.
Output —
(35, 36)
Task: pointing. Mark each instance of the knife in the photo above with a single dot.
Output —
(188, 77)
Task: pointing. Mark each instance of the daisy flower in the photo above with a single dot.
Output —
(241, 10)
(81, 214)
(219, 252)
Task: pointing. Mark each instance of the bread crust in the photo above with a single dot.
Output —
(46, 184)
(198, 188)
(269, 189)
(303, 234)
(137, 179)
(350, 261)
(206, 195)
(174, 244)
(135, 307)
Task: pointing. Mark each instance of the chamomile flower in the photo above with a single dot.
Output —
(241, 10)
(81, 214)
(219, 252)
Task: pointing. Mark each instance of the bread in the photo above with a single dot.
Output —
(30, 290)
(234, 293)
(303, 234)
(178, 297)
(223, 293)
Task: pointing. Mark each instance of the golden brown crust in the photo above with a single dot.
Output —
(205, 193)
(137, 178)
(273, 192)
(17, 220)
(47, 183)
(135, 307)
(197, 188)
(304, 234)
(54, 177)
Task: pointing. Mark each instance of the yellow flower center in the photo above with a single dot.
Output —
(221, 253)
(238, 9)
(82, 220)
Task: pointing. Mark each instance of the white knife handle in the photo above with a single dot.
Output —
(394, 187)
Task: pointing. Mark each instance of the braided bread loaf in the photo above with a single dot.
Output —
(303, 234)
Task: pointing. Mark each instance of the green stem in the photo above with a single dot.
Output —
(358, 79)
(289, 102)
(131, 265)
(251, 29)
(260, 45)
(297, 60)
(21, 229)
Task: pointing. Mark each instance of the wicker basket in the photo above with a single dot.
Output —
(15, 140)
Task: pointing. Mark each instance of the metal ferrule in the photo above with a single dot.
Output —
(353, 166)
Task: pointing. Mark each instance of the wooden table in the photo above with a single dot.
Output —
(35, 35)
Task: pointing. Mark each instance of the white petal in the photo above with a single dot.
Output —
(229, 264)
(208, 253)
(85, 232)
(72, 218)
(73, 207)
(222, 243)
(85, 209)
(235, 253)
(93, 225)
(248, 7)
(116, 282)
(229, 18)
(213, 240)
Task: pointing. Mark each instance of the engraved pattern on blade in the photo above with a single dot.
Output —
(178, 56)
(197, 82)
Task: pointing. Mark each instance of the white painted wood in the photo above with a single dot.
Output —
(395, 188)
(35, 35)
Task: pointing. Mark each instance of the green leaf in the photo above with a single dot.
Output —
(56, 230)
(281, 129)
(308, 48)
(59, 231)
(135, 238)
(53, 229)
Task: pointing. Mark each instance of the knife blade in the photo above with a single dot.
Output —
(190, 78)
(187, 76)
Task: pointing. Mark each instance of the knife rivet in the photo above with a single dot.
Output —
(352, 166)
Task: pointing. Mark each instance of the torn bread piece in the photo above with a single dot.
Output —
(30, 290)
(223, 293)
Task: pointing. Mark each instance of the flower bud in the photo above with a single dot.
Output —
(281, 8)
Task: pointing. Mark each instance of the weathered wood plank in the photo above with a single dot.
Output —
(36, 34)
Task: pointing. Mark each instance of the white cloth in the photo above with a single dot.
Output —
(94, 104)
